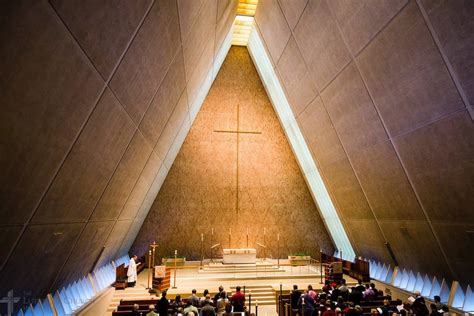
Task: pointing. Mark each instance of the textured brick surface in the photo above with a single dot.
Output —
(200, 191)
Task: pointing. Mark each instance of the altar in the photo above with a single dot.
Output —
(240, 255)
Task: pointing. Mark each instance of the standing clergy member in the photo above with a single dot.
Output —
(132, 271)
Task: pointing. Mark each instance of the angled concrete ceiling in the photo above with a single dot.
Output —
(97, 99)
(383, 92)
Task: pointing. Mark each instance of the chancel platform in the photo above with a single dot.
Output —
(239, 255)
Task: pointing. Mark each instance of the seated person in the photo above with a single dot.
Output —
(328, 311)
(190, 308)
(208, 310)
(202, 300)
(356, 296)
(152, 311)
(228, 310)
(327, 287)
(135, 311)
(368, 293)
(360, 287)
(312, 292)
(343, 289)
(376, 292)
(386, 308)
(178, 303)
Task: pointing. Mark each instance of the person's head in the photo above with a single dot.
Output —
(295, 287)
(372, 285)
(163, 293)
(151, 307)
(340, 300)
(328, 305)
(193, 291)
(310, 287)
(343, 281)
(208, 297)
(445, 308)
(190, 313)
(135, 257)
(136, 307)
(206, 291)
(367, 286)
(386, 302)
(221, 288)
(237, 288)
(437, 298)
(228, 308)
(373, 311)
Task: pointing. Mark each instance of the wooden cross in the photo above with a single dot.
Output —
(237, 132)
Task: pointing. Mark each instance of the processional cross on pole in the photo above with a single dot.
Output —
(237, 132)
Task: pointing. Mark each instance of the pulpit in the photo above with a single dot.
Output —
(240, 255)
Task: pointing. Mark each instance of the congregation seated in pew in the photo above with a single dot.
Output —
(193, 305)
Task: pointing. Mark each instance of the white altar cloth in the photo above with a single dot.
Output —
(240, 255)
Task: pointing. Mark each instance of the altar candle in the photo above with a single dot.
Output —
(278, 237)
(176, 252)
(256, 303)
(202, 237)
(212, 231)
(264, 230)
(247, 230)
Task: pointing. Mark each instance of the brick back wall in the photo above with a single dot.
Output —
(200, 190)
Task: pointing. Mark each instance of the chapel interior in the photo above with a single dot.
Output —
(256, 143)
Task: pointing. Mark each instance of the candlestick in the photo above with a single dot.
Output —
(264, 230)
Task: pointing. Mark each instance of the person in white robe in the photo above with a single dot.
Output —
(132, 271)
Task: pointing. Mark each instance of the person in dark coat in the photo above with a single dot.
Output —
(163, 305)
(295, 297)
(419, 305)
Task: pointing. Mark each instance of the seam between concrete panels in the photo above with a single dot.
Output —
(394, 148)
(83, 126)
(107, 81)
(447, 63)
(92, 212)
